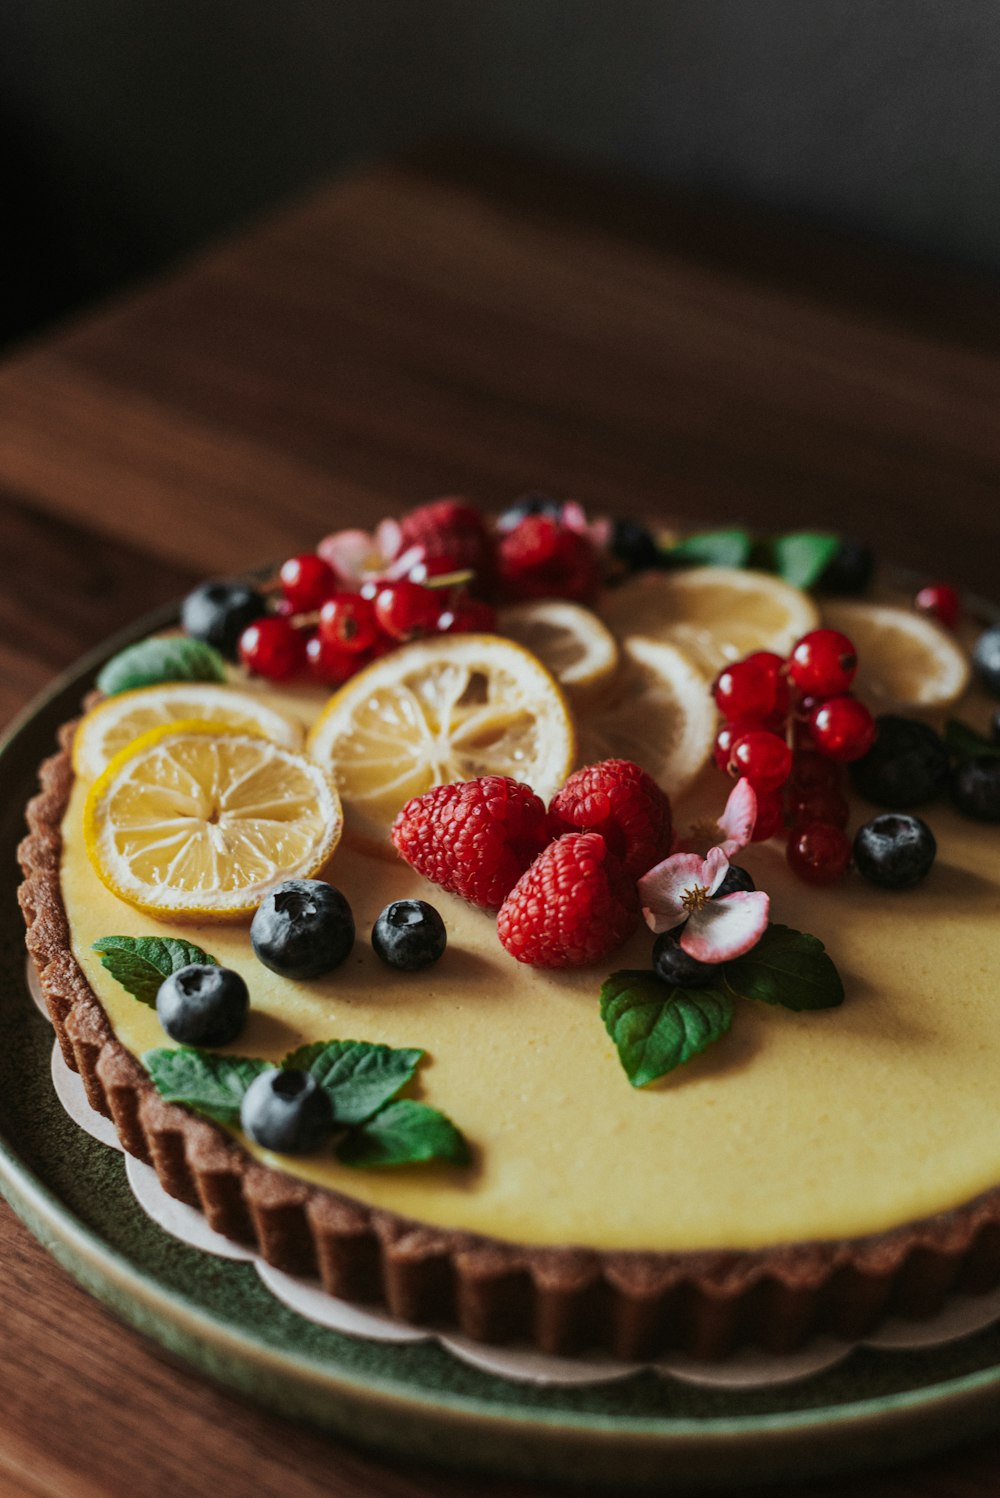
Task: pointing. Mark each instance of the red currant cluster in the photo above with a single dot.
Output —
(320, 627)
(791, 725)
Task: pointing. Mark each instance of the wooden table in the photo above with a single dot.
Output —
(451, 322)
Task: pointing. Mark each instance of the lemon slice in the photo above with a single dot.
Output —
(196, 821)
(118, 720)
(904, 660)
(715, 614)
(436, 711)
(661, 715)
(570, 640)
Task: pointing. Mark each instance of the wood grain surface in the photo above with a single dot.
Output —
(451, 322)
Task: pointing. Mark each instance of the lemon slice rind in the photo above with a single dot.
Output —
(579, 650)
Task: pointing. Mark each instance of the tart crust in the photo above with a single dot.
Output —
(559, 1300)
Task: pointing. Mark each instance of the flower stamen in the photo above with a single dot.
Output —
(695, 898)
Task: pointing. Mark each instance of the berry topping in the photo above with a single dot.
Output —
(302, 929)
(306, 581)
(975, 788)
(219, 612)
(409, 934)
(674, 966)
(820, 853)
(468, 616)
(632, 545)
(907, 765)
(986, 659)
(894, 850)
(811, 771)
(763, 758)
(574, 905)
(770, 816)
(327, 663)
(843, 729)
(273, 648)
(540, 558)
(528, 504)
(625, 805)
(203, 1005)
(736, 879)
(406, 609)
(347, 622)
(941, 602)
(727, 737)
(752, 688)
(823, 664)
(287, 1111)
(450, 528)
(823, 803)
(474, 837)
(849, 571)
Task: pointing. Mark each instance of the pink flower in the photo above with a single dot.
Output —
(732, 831)
(597, 532)
(680, 891)
(356, 555)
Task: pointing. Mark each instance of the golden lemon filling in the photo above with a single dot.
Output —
(796, 1126)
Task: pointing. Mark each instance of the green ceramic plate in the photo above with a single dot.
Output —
(876, 1408)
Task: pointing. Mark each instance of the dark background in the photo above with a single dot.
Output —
(131, 132)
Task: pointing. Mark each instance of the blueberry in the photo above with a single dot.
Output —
(736, 879)
(906, 766)
(202, 1004)
(302, 929)
(529, 504)
(986, 659)
(674, 966)
(632, 544)
(975, 788)
(286, 1110)
(409, 934)
(849, 570)
(219, 612)
(894, 850)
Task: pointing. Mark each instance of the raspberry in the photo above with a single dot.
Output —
(624, 804)
(573, 906)
(474, 838)
(540, 558)
(454, 529)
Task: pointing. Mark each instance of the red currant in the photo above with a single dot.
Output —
(726, 738)
(272, 647)
(438, 566)
(812, 772)
(775, 666)
(770, 816)
(404, 609)
(328, 664)
(467, 616)
(747, 689)
(823, 663)
(941, 602)
(347, 621)
(763, 757)
(819, 853)
(843, 729)
(821, 804)
(306, 581)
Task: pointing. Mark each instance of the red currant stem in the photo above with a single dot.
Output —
(304, 621)
(449, 579)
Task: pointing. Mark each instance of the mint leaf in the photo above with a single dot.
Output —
(711, 549)
(358, 1076)
(404, 1133)
(168, 658)
(801, 557)
(965, 743)
(140, 963)
(786, 967)
(656, 1027)
(206, 1081)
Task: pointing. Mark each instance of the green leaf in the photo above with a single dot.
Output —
(358, 1076)
(162, 658)
(656, 1027)
(786, 967)
(965, 743)
(209, 1083)
(404, 1133)
(711, 549)
(801, 557)
(140, 963)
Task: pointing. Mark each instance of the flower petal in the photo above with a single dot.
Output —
(349, 553)
(403, 565)
(726, 928)
(737, 821)
(715, 869)
(661, 890)
(388, 538)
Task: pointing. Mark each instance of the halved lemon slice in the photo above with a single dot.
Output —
(661, 715)
(196, 821)
(715, 614)
(117, 721)
(570, 640)
(904, 660)
(436, 711)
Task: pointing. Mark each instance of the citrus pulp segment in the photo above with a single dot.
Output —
(438, 711)
(904, 660)
(195, 821)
